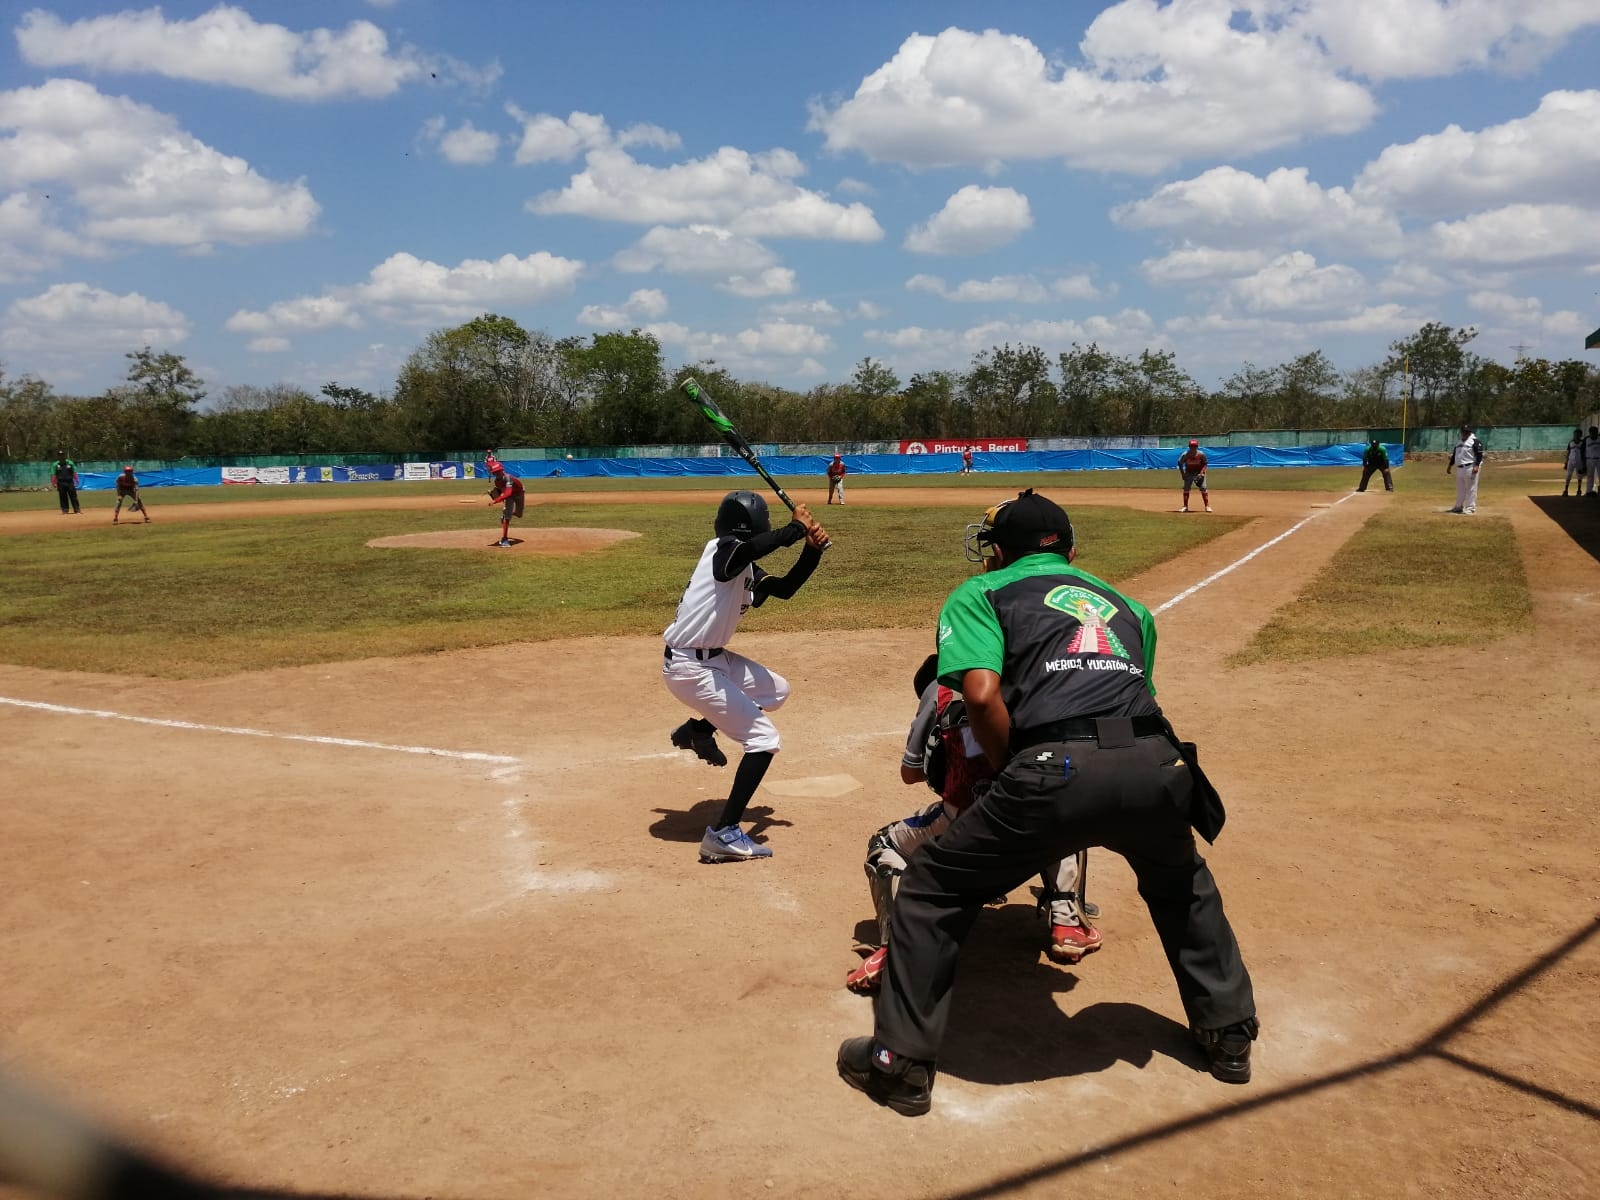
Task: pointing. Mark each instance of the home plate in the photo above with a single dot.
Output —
(816, 786)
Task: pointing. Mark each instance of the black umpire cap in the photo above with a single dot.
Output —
(1028, 524)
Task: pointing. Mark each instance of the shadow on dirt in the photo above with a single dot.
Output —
(677, 825)
(1579, 518)
(1434, 1046)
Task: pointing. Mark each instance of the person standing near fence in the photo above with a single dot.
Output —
(1466, 460)
(1591, 458)
(64, 478)
(1575, 463)
(966, 460)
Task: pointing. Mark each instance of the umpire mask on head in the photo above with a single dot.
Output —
(742, 515)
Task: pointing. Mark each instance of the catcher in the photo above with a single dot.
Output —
(128, 489)
(506, 492)
(941, 752)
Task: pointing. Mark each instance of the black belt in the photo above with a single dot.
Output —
(1108, 731)
(702, 655)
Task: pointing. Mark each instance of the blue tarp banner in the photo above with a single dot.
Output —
(1024, 461)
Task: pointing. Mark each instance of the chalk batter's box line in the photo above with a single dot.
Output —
(241, 731)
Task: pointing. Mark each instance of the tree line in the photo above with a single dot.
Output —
(489, 382)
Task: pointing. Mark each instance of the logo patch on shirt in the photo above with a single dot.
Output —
(1093, 613)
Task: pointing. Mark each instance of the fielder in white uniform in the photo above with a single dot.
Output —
(1466, 460)
(731, 692)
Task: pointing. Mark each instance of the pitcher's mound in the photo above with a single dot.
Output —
(525, 541)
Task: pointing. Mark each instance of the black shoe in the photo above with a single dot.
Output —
(686, 737)
(903, 1084)
(1228, 1049)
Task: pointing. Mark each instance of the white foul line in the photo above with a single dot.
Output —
(1234, 566)
(465, 755)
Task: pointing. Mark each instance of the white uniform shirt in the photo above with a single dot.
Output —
(1574, 456)
(1466, 454)
(709, 612)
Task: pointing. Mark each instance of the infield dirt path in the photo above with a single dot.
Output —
(351, 970)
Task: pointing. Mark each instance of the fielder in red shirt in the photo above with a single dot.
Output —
(1192, 466)
(836, 470)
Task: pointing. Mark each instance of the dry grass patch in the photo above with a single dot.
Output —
(1410, 577)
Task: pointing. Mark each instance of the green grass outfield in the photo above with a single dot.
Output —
(194, 599)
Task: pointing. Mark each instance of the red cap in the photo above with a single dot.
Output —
(1194, 441)
(127, 470)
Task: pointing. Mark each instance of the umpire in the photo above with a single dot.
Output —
(1055, 669)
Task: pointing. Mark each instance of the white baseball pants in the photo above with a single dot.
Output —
(731, 691)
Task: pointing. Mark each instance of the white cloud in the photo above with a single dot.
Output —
(1413, 279)
(409, 290)
(771, 346)
(740, 265)
(645, 303)
(1129, 330)
(547, 138)
(305, 314)
(1376, 319)
(414, 291)
(866, 310)
(1199, 264)
(814, 311)
(465, 145)
(1294, 283)
(225, 46)
(76, 317)
(1015, 289)
(267, 345)
(1550, 156)
(750, 194)
(31, 241)
(973, 220)
(774, 281)
(137, 176)
(1233, 209)
(1520, 236)
(1411, 39)
(1522, 316)
(1160, 84)
(855, 187)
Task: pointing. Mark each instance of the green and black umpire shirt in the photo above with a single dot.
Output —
(1064, 643)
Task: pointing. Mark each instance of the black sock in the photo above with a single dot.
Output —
(745, 782)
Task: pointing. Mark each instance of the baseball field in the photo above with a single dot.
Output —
(347, 856)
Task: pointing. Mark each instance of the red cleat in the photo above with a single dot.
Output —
(1069, 943)
(864, 979)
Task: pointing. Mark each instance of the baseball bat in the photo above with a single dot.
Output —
(719, 419)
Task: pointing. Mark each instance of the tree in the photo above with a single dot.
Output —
(157, 402)
(622, 377)
(1436, 357)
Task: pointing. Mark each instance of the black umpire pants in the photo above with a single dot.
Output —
(68, 495)
(1367, 473)
(1051, 801)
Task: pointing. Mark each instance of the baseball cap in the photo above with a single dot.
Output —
(1194, 441)
(1030, 523)
(926, 673)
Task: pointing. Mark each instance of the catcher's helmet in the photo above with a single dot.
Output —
(1027, 525)
(742, 515)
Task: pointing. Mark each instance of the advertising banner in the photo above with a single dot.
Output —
(957, 445)
(415, 471)
(274, 474)
(238, 474)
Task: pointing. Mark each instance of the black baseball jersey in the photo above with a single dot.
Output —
(1064, 643)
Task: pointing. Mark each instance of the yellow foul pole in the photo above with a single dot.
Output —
(1405, 400)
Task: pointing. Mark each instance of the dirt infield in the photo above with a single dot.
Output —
(358, 967)
(553, 542)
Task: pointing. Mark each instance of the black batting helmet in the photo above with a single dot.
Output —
(742, 515)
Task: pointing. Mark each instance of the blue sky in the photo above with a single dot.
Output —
(297, 193)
